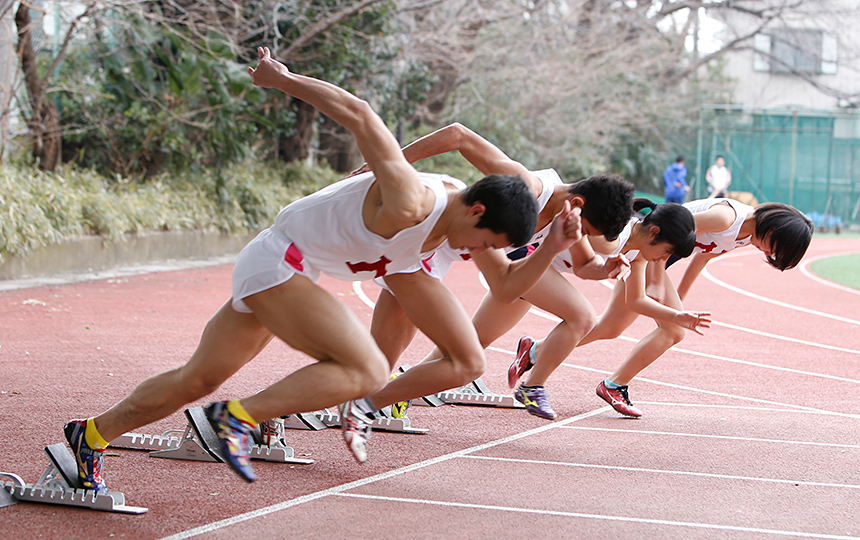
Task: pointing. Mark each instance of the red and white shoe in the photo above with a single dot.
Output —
(523, 362)
(617, 397)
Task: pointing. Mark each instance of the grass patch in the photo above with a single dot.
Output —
(38, 208)
(841, 269)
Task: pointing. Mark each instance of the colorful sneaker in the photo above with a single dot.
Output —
(234, 437)
(524, 361)
(272, 432)
(356, 430)
(89, 460)
(398, 410)
(535, 400)
(618, 398)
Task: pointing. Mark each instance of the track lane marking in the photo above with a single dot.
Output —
(722, 437)
(664, 471)
(649, 521)
(203, 529)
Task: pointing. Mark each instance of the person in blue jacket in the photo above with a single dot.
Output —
(675, 181)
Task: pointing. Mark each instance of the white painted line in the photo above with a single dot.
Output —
(755, 296)
(663, 471)
(785, 338)
(804, 269)
(734, 407)
(701, 390)
(721, 437)
(602, 517)
(721, 394)
(610, 285)
(369, 480)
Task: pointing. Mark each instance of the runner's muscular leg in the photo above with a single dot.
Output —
(229, 341)
(349, 363)
(441, 317)
(555, 294)
(656, 343)
(390, 327)
(492, 320)
(616, 318)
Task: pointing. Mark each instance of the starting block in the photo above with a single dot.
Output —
(475, 393)
(198, 442)
(324, 419)
(59, 484)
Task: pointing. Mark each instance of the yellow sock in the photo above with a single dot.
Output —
(93, 437)
(237, 410)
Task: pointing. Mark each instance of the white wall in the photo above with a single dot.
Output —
(761, 89)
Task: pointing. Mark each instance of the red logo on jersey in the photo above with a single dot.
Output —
(465, 256)
(294, 257)
(426, 262)
(378, 266)
(706, 249)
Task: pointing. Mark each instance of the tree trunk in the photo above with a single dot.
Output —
(297, 147)
(44, 125)
(338, 146)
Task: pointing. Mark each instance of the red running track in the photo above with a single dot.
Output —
(750, 431)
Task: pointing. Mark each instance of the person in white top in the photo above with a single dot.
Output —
(719, 177)
(779, 231)
(363, 227)
(606, 204)
(667, 230)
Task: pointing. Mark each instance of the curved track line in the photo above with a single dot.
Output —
(804, 269)
(755, 296)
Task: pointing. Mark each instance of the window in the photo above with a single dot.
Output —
(795, 50)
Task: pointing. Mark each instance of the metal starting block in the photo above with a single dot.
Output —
(382, 421)
(198, 442)
(59, 484)
(474, 393)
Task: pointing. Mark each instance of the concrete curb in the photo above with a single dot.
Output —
(94, 257)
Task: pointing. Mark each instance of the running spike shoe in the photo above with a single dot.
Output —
(234, 437)
(356, 430)
(535, 398)
(523, 362)
(89, 460)
(618, 398)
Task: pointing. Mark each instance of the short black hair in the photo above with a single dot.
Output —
(787, 230)
(511, 208)
(677, 226)
(608, 202)
(679, 159)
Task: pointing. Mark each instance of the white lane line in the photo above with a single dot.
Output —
(663, 471)
(721, 437)
(602, 517)
(700, 390)
(760, 298)
(372, 479)
(785, 338)
(610, 285)
(719, 394)
(804, 269)
(553, 318)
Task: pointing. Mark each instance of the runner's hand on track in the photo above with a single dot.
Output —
(693, 320)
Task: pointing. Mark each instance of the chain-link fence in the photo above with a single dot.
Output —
(808, 159)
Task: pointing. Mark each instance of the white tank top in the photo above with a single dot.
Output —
(563, 262)
(723, 241)
(439, 264)
(328, 229)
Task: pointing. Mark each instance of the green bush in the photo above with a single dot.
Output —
(38, 209)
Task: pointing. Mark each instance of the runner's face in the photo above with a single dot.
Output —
(656, 252)
(479, 240)
(763, 245)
